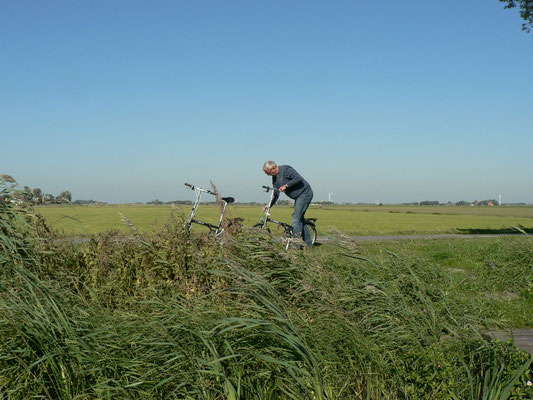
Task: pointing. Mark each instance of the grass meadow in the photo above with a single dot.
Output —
(351, 220)
(170, 314)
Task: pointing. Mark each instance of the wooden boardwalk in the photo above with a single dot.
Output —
(522, 338)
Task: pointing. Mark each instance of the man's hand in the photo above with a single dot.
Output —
(283, 188)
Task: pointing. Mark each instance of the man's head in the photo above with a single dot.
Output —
(270, 168)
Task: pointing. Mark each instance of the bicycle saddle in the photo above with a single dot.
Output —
(228, 199)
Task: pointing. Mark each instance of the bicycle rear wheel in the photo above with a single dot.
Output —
(312, 231)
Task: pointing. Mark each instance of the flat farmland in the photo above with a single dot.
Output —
(351, 220)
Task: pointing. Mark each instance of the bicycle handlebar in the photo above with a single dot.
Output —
(268, 189)
(200, 189)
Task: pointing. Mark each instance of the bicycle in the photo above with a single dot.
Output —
(216, 230)
(288, 230)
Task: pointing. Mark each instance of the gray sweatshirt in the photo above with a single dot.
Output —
(296, 185)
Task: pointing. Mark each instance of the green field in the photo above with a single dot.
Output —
(352, 220)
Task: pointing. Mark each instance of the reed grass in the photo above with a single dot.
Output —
(177, 315)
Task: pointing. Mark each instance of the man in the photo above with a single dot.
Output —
(287, 180)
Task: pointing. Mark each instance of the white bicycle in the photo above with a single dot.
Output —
(216, 230)
(287, 230)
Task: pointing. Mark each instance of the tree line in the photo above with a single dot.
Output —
(9, 192)
(37, 196)
(490, 202)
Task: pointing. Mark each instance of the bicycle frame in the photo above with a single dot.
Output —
(218, 229)
(267, 218)
(287, 228)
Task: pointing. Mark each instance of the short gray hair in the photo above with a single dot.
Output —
(269, 165)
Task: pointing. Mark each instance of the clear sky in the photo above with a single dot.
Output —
(125, 100)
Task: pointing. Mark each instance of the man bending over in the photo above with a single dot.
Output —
(287, 180)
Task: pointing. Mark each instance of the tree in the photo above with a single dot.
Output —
(37, 195)
(429, 203)
(63, 197)
(28, 194)
(7, 180)
(526, 11)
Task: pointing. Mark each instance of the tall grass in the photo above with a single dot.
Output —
(176, 315)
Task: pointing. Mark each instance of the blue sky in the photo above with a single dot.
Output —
(124, 101)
